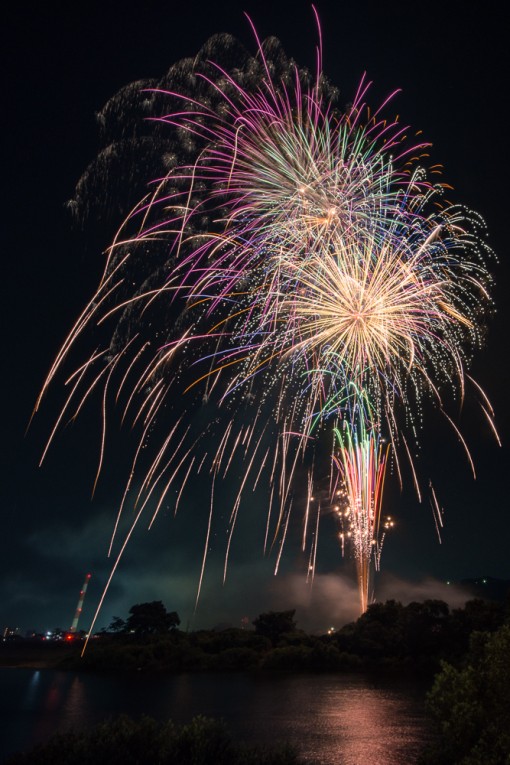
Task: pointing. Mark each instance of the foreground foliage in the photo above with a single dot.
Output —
(124, 741)
(471, 705)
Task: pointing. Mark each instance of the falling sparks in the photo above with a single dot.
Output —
(294, 275)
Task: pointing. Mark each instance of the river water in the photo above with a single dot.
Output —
(331, 719)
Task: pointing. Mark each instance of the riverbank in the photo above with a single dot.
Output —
(227, 652)
(28, 655)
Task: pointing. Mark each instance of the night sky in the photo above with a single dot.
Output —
(451, 61)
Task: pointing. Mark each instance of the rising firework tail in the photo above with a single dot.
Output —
(292, 269)
(361, 458)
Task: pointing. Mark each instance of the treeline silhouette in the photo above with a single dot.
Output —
(389, 637)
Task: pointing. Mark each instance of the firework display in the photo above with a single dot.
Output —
(292, 277)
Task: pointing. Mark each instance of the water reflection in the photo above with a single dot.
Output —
(362, 725)
(47, 702)
(331, 719)
(32, 689)
(76, 702)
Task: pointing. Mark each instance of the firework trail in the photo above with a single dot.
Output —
(361, 460)
(285, 255)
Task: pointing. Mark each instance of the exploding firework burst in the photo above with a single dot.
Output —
(292, 270)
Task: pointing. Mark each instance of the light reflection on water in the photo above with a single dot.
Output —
(331, 719)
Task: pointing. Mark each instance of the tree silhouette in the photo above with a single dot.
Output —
(274, 624)
(151, 618)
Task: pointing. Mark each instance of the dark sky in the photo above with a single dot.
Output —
(450, 59)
